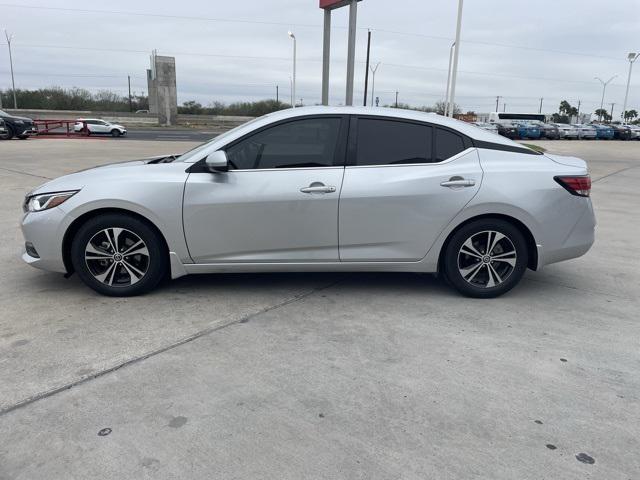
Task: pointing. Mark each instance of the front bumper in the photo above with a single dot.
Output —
(45, 231)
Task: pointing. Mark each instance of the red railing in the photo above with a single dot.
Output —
(60, 127)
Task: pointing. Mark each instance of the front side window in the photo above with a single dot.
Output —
(448, 144)
(391, 142)
(301, 143)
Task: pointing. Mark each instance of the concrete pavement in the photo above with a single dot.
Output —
(322, 375)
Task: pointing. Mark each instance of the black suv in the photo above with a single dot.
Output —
(20, 127)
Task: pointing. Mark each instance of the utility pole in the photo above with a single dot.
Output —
(612, 111)
(373, 80)
(129, 82)
(455, 59)
(540, 109)
(366, 70)
(13, 81)
(351, 50)
(578, 110)
(497, 101)
(277, 95)
(504, 107)
(396, 98)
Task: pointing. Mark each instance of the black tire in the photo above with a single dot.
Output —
(115, 132)
(483, 271)
(153, 266)
(8, 135)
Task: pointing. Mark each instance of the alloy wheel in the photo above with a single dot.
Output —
(117, 257)
(486, 259)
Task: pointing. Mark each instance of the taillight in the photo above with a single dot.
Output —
(575, 185)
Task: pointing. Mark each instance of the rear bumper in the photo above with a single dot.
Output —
(577, 242)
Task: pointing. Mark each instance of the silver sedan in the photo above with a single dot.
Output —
(319, 189)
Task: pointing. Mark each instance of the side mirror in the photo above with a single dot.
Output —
(217, 161)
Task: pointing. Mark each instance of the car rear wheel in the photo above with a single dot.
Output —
(115, 133)
(119, 255)
(486, 258)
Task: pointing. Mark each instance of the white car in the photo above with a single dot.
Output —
(567, 131)
(95, 125)
(319, 189)
(635, 131)
(586, 131)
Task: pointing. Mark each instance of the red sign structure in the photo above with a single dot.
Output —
(331, 4)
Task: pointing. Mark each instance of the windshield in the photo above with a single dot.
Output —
(195, 152)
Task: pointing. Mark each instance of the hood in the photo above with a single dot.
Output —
(79, 179)
(569, 161)
(13, 117)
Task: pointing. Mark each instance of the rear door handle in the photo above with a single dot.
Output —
(317, 187)
(454, 182)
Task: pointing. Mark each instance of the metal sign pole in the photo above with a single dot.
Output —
(326, 56)
(351, 51)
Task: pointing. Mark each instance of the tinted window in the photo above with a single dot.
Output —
(301, 143)
(448, 144)
(388, 142)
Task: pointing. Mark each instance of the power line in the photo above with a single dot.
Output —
(289, 24)
(287, 59)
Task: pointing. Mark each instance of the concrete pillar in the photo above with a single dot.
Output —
(163, 95)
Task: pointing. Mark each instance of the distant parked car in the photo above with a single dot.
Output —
(604, 132)
(586, 132)
(20, 127)
(567, 131)
(95, 125)
(635, 131)
(3, 129)
(507, 130)
(528, 130)
(547, 130)
(489, 127)
(142, 111)
(621, 132)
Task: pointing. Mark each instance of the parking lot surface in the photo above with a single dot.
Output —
(294, 376)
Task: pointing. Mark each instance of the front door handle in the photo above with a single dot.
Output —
(455, 182)
(317, 187)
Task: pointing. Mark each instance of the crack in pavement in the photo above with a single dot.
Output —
(153, 353)
(24, 173)
(615, 173)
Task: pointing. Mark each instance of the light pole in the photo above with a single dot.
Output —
(456, 52)
(293, 84)
(13, 82)
(446, 95)
(373, 80)
(604, 87)
(632, 57)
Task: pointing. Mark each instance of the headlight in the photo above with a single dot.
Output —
(45, 201)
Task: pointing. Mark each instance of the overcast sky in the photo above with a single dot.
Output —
(239, 50)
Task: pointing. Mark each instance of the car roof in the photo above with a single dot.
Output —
(465, 128)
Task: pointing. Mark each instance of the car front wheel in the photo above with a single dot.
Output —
(119, 255)
(8, 135)
(115, 133)
(486, 258)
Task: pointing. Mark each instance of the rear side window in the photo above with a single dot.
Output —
(389, 142)
(448, 144)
